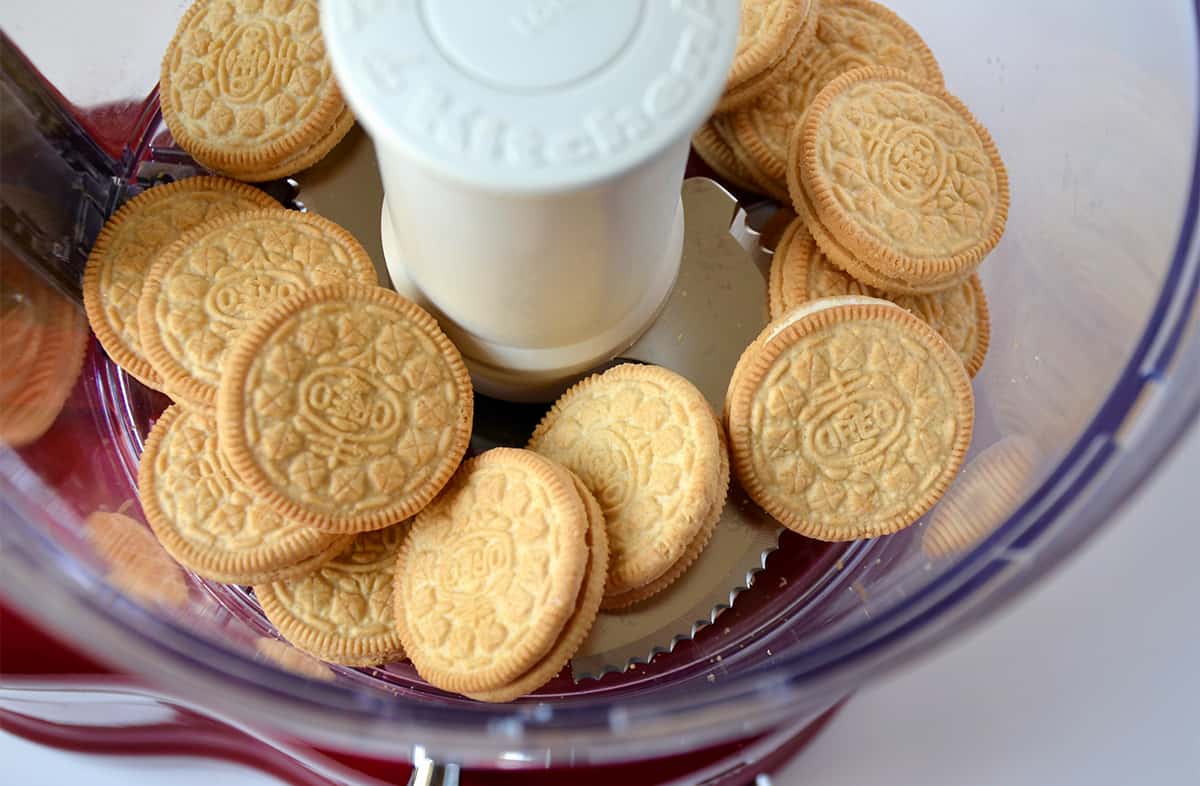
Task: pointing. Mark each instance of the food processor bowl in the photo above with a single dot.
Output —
(1093, 373)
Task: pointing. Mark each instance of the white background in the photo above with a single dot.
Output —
(1091, 679)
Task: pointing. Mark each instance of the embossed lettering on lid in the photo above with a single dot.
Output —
(481, 39)
(531, 94)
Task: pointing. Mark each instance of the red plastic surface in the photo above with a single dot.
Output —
(26, 650)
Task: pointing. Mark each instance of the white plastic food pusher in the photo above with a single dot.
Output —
(531, 154)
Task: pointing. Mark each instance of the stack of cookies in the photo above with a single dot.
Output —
(895, 182)
(247, 90)
(746, 142)
(775, 38)
(646, 442)
(852, 412)
(314, 409)
(501, 578)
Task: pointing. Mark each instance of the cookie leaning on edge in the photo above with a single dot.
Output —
(491, 572)
(212, 283)
(247, 88)
(128, 246)
(768, 34)
(992, 485)
(342, 611)
(800, 273)
(713, 144)
(849, 34)
(646, 443)
(345, 407)
(848, 418)
(587, 605)
(900, 185)
(712, 517)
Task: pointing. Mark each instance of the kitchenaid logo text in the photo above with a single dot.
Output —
(462, 127)
(539, 16)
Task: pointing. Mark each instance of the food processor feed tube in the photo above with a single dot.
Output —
(532, 155)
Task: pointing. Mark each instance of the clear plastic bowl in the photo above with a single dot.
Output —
(1094, 368)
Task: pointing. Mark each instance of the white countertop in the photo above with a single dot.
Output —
(1091, 679)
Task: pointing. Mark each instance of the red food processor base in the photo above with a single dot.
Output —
(30, 656)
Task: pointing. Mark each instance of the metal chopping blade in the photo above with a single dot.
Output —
(717, 308)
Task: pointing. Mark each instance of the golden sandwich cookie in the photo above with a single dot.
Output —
(848, 418)
(491, 572)
(899, 184)
(130, 243)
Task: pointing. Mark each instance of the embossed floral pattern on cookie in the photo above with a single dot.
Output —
(342, 611)
(800, 272)
(644, 442)
(346, 407)
(129, 245)
(902, 175)
(208, 520)
(217, 279)
(587, 605)
(850, 420)
(490, 572)
(247, 83)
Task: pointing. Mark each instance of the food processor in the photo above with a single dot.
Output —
(1093, 373)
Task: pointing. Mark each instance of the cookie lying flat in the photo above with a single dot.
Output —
(800, 273)
(580, 623)
(208, 520)
(219, 277)
(897, 181)
(848, 418)
(849, 34)
(345, 407)
(247, 89)
(342, 611)
(128, 246)
(646, 443)
(491, 572)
